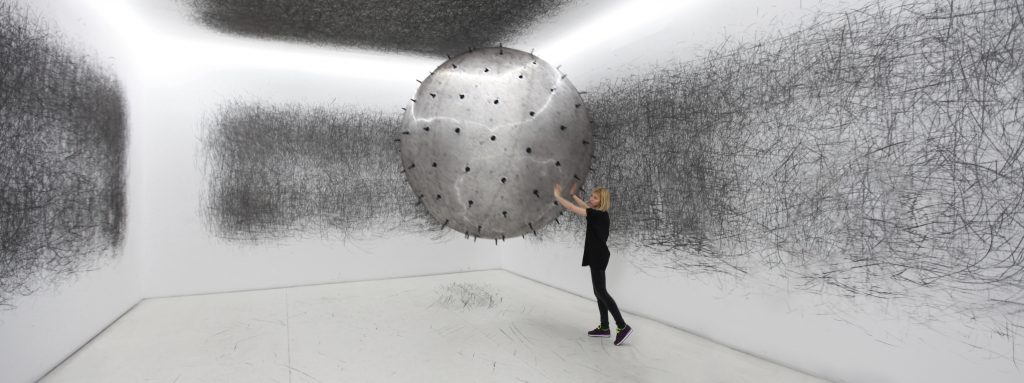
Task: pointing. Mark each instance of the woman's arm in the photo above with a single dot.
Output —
(579, 201)
(566, 204)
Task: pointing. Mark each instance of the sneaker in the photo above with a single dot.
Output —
(600, 331)
(622, 335)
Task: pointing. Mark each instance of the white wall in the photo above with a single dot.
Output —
(841, 339)
(185, 74)
(609, 38)
(175, 76)
(48, 326)
(181, 74)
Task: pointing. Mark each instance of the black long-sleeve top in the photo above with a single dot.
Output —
(595, 249)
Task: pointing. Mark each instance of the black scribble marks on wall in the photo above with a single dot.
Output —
(277, 171)
(873, 153)
(62, 159)
(436, 27)
(465, 296)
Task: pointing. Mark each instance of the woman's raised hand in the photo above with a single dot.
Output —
(558, 190)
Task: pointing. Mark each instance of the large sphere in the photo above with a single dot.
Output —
(486, 138)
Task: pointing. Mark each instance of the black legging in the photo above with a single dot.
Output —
(605, 302)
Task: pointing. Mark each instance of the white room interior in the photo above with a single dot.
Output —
(175, 75)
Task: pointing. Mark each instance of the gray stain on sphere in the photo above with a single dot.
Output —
(488, 135)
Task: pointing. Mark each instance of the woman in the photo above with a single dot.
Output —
(596, 254)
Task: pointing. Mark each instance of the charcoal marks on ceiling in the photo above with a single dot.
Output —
(432, 27)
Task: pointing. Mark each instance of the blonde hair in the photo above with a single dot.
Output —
(606, 199)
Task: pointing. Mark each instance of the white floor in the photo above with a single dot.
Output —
(488, 326)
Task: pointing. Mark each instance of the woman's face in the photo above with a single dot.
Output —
(594, 200)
